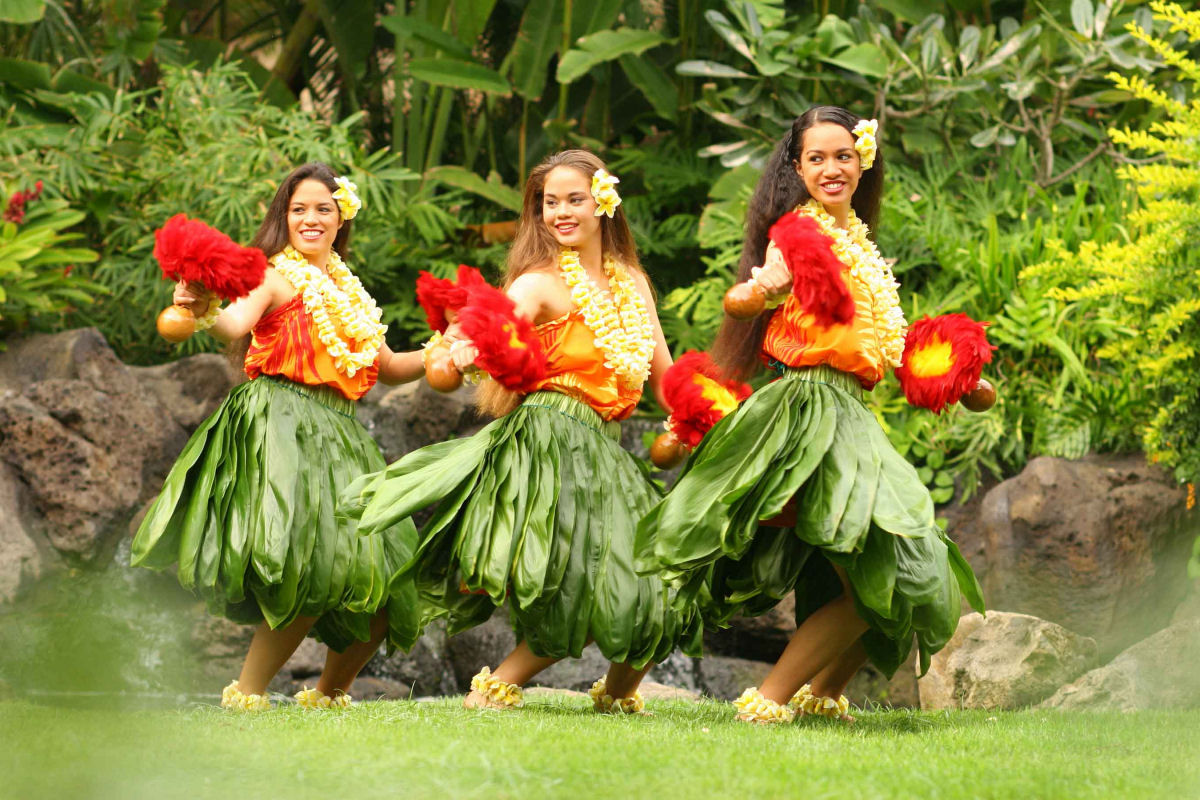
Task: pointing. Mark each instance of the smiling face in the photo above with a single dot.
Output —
(829, 165)
(568, 208)
(313, 220)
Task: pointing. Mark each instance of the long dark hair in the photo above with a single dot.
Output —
(534, 247)
(272, 235)
(779, 190)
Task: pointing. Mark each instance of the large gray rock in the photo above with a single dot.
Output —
(1098, 546)
(1005, 661)
(1159, 672)
(20, 557)
(426, 668)
(725, 678)
(90, 446)
(190, 388)
(412, 415)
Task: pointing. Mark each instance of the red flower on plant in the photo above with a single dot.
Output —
(189, 250)
(14, 212)
(943, 359)
(698, 397)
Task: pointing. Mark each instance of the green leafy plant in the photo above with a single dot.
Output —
(38, 259)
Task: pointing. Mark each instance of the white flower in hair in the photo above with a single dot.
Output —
(347, 197)
(864, 141)
(604, 191)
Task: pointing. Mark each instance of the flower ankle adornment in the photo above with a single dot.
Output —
(315, 698)
(497, 691)
(605, 703)
(234, 699)
(824, 706)
(802, 696)
(752, 706)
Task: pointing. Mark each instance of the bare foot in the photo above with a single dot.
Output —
(476, 700)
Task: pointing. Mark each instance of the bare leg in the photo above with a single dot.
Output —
(517, 667)
(623, 680)
(269, 651)
(822, 638)
(831, 681)
(342, 668)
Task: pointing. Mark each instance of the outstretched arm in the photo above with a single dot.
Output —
(660, 362)
(397, 368)
(240, 317)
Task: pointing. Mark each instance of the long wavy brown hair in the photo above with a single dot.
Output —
(535, 247)
(779, 190)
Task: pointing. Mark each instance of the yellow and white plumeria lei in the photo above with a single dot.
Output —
(338, 306)
(347, 197)
(234, 699)
(854, 248)
(604, 191)
(864, 141)
(605, 703)
(499, 692)
(620, 323)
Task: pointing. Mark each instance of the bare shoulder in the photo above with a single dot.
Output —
(539, 279)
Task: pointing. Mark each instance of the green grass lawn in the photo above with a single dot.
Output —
(556, 747)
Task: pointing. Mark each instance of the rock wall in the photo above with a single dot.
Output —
(1097, 546)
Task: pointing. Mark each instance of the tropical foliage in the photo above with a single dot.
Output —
(996, 116)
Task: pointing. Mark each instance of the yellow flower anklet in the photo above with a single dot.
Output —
(605, 703)
(805, 702)
(826, 706)
(508, 695)
(234, 699)
(315, 699)
(752, 706)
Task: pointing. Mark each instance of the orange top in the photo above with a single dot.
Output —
(575, 367)
(285, 343)
(794, 339)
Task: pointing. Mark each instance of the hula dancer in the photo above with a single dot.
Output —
(539, 508)
(799, 488)
(247, 511)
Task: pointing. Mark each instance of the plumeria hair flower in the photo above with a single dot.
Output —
(347, 197)
(864, 141)
(604, 190)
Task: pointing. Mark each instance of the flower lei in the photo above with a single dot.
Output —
(604, 192)
(753, 706)
(313, 699)
(234, 699)
(605, 703)
(347, 197)
(621, 323)
(336, 302)
(854, 249)
(497, 691)
(864, 142)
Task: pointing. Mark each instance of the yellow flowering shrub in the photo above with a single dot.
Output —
(1149, 281)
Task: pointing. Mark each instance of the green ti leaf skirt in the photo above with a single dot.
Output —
(860, 506)
(538, 510)
(247, 514)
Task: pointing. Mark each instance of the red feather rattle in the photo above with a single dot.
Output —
(189, 250)
(509, 349)
(816, 275)
(943, 361)
(699, 399)
(440, 297)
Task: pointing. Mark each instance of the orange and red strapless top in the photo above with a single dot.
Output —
(575, 367)
(795, 339)
(285, 343)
